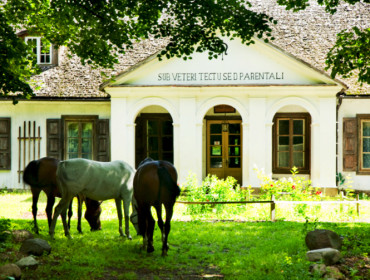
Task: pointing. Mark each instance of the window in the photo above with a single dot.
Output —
(78, 137)
(364, 143)
(41, 48)
(291, 142)
(356, 144)
(5, 150)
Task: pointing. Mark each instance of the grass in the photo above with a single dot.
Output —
(198, 248)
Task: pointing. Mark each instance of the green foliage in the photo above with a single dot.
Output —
(4, 229)
(350, 54)
(212, 189)
(294, 188)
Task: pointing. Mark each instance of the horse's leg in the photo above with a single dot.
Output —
(119, 213)
(35, 199)
(79, 212)
(167, 228)
(160, 220)
(70, 213)
(49, 207)
(62, 206)
(126, 211)
(150, 230)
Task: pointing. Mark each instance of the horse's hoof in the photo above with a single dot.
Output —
(129, 237)
(164, 253)
(150, 250)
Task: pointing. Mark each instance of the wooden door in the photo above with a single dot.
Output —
(224, 149)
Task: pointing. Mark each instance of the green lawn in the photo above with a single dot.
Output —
(198, 249)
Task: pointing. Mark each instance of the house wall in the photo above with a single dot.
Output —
(256, 106)
(39, 111)
(349, 108)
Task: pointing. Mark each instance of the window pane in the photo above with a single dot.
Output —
(72, 155)
(152, 127)
(87, 129)
(86, 146)
(298, 144)
(216, 151)
(283, 143)
(234, 162)
(216, 140)
(283, 159)
(72, 130)
(216, 162)
(366, 144)
(366, 128)
(216, 128)
(153, 155)
(234, 128)
(283, 127)
(168, 157)
(72, 145)
(298, 159)
(167, 127)
(298, 127)
(366, 160)
(234, 151)
(87, 156)
(234, 140)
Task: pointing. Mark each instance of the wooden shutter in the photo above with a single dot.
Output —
(349, 144)
(54, 138)
(5, 144)
(103, 140)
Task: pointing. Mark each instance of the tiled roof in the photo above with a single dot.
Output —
(307, 35)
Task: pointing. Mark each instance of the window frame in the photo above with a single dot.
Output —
(360, 119)
(307, 138)
(38, 49)
(6, 136)
(80, 119)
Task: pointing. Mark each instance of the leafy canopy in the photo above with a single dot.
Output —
(99, 30)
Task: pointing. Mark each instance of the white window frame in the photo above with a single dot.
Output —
(38, 50)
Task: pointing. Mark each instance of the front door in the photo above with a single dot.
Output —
(224, 149)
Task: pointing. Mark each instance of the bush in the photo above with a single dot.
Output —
(212, 189)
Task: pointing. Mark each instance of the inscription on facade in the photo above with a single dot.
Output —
(220, 76)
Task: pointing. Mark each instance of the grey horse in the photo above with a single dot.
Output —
(98, 181)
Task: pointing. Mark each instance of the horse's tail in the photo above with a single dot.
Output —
(165, 180)
(31, 173)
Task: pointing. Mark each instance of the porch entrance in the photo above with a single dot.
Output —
(224, 149)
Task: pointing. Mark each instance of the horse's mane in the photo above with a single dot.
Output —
(30, 174)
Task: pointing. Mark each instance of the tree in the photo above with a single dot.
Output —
(98, 30)
(351, 52)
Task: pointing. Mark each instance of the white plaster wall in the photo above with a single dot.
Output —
(348, 109)
(39, 111)
(256, 106)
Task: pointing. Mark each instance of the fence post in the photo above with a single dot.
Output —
(358, 204)
(272, 209)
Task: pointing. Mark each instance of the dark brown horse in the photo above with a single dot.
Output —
(41, 176)
(155, 183)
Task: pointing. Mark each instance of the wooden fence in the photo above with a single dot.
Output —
(274, 202)
(28, 145)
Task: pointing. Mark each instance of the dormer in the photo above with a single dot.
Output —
(46, 54)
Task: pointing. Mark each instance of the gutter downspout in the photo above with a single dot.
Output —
(340, 96)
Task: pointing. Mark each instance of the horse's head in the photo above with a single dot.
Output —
(92, 214)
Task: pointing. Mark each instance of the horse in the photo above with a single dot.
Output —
(98, 181)
(155, 183)
(41, 176)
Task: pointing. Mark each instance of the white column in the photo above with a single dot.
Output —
(119, 143)
(315, 154)
(245, 154)
(187, 132)
(130, 146)
(257, 138)
(327, 142)
(268, 144)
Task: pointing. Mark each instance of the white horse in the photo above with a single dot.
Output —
(97, 181)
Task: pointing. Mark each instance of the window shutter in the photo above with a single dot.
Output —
(103, 140)
(349, 144)
(5, 144)
(54, 138)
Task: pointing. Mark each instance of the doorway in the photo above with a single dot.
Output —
(224, 149)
